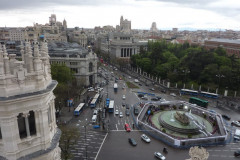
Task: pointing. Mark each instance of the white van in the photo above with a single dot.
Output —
(237, 135)
(94, 118)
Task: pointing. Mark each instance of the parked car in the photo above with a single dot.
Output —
(226, 117)
(127, 128)
(129, 77)
(120, 114)
(116, 112)
(152, 89)
(144, 98)
(139, 84)
(136, 80)
(173, 94)
(235, 123)
(237, 153)
(145, 138)
(163, 91)
(123, 97)
(140, 95)
(127, 112)
(132, 141)
(154, 99)
(159, 155)
(158, 97)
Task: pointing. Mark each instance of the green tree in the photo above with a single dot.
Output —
(68, 139)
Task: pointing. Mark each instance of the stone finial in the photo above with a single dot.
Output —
(1, 53)
(36, 50)
(26, 36)
(6, 60)
(198, 153)
(22, 51)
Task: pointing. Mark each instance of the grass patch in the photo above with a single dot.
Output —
(131, 85)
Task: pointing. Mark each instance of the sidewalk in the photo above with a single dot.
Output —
(67, 114)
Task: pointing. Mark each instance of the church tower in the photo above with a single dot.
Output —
(64, 24)
(28, 127)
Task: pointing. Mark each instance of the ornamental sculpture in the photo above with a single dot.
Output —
(182, 118)
(198, 153)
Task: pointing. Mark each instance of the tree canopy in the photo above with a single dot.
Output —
(185, 63)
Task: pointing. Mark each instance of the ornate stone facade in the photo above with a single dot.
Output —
(28, 127)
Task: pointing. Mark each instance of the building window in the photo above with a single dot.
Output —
(121, 52)
(21, 126)
(0, 133)
(90, 67)
(75, 70)
(73, 63)
(32, 124)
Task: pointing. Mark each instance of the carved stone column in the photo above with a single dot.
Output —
(27, 124)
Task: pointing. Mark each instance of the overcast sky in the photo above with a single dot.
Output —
(195, 14)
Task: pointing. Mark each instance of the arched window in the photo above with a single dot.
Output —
(90, 67)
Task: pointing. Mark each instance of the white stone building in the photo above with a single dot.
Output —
(28, 127)
(123, 45)
(81, 61)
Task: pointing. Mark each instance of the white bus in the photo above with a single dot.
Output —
(111, 106)
(79, 109)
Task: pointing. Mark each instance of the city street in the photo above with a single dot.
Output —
(102, 145)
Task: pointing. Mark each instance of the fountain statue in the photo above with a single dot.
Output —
(182, 118)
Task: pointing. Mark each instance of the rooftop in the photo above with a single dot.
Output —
(225, 40)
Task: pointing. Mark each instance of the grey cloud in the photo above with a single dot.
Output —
(21, 4)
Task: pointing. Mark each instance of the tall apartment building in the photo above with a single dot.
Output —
(28, 127)
(16, 34)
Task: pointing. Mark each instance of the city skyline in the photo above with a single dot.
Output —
(210, 15)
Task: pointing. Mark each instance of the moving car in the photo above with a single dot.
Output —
(159, 155)
(127, 106)
(123, 97)
(136, 111)
(235, 123)
(123, 104)
(116, 112)
(226, 117)
(145, 138)
(120, 114)
(132, 141)
(127, 128)
(127, 112)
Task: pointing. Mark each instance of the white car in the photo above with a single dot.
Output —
(123, 97)
(136, 80)
(235, 123)
(159, 155)
(129, 77)
(116, 112)
(173, 94)
(145, 138)
(120, 114)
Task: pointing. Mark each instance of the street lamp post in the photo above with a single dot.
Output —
(86, 148)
